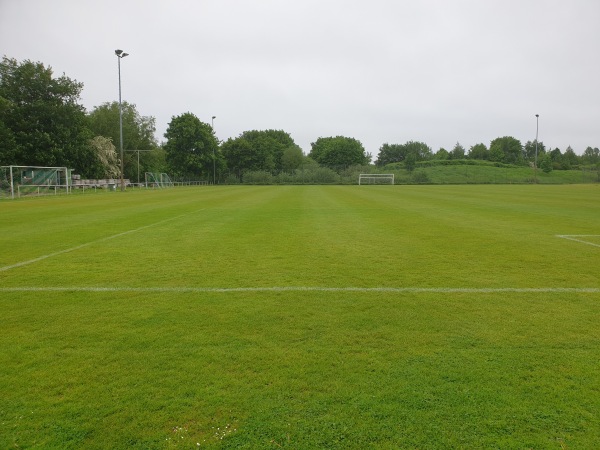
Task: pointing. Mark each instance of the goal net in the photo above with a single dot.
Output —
(376, 178)
(21, 181)
(158, 180)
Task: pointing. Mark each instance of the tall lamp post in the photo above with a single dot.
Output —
(212, 125)
(537, 127)
(120, 54)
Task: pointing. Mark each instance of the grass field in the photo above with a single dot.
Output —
(302, 317)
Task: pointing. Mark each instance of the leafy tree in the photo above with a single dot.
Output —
(271, 144)
(458, 152)
(138, 134)
(108, 164)
(390, 153)
(411, 161)
(570, 158)
(399, 152)
(191, 147)
(591, 155)
(155, 160)
(240, 156)
(479, 151)
(556, 155)
(262, 150)
(546, 163)
(42, 122)
(420, 150)
(338, 152)
(506, 149)
(292, 158)
(529, 150)
(442, 154)
(8, 143)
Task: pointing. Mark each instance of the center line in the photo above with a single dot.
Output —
(184, 289)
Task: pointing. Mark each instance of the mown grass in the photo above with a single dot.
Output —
(490, 174)
(301, 369)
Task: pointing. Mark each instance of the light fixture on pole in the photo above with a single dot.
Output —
(537, 127)
(120, 54)
(212, 125)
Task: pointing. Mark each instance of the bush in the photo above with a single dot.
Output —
(286, 178)
(258, 177)
(319, 175)
(232, 179)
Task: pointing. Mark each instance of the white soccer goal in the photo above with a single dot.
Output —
(19, 181)
(158, 180)
(376, 178)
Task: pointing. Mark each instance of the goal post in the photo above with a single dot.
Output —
(19, 181)
(157, 180)
(375, 178)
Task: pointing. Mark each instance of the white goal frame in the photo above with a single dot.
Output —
(376, 178)
(19, 181)
(157, 180)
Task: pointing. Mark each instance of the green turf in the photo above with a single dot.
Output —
(198, 317)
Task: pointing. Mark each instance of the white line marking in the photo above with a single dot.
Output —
(417, 290)
(60, 252)
(574, 237)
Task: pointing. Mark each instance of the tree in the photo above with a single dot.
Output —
(292, 159)
(421, 150)
(399, 152)
(410, 162)
(260, 150)
(458, 152)
(546, 163)
(42, 122)
(442, 154)
(556, 155)
(479, 151)
(338, 152)
(506, 149)
(8, 143)
(391, 153)
(591, 155)
(108, 163)
(529, 150)
(138, 134)
(270, 146)
(191, 147)
(570, 158)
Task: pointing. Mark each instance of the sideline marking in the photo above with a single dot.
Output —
(60, 252)
(574, 237)
(300, 289)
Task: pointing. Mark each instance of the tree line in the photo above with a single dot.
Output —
(42, 123)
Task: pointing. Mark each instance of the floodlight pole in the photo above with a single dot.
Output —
(120, 54)
(537, 126)
(212, 125)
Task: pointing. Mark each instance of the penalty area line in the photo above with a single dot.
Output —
(87, 244)
(417, 290)
(577, 238)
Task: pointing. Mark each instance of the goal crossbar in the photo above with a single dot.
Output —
(376, 178)
(16, 181)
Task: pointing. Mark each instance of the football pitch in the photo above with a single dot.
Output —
(302, 317)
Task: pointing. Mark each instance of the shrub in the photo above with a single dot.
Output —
(232, 179)
(258, 177)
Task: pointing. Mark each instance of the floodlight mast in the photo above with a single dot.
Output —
(537, 126)
(121, 54)
(212, 124)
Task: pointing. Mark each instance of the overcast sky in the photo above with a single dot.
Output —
(381, 71)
